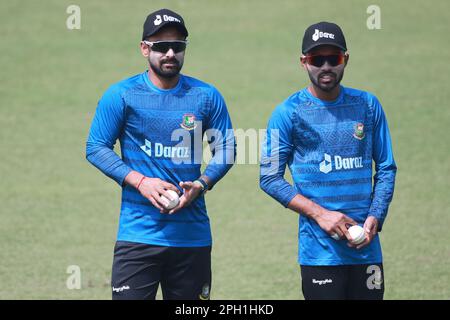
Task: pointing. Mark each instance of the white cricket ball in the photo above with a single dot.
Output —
(170, 203)
(357, 233)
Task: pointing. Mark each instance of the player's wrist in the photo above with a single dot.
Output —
(315, 211)
(133, 179)
(139, 184)
(202, 185)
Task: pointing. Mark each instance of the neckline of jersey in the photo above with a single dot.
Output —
(159, 90)
(325, 102)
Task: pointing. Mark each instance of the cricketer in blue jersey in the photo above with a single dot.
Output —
(329, 136)
(160, 117)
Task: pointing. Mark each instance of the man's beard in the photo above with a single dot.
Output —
(167, 73)
(327, 88)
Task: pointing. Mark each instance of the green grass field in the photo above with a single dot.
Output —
(57, 210)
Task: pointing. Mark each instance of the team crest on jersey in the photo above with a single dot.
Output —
(205, 292)
(359, 131)
(188, 121)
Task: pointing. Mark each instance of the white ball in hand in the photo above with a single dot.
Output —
(170, 203)
(357, 233)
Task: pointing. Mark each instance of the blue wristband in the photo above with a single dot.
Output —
(203, 184)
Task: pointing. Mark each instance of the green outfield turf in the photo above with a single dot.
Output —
(57, 210)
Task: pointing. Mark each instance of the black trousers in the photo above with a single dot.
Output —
(346, 282)
(138, 269)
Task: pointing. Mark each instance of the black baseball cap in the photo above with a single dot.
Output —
(323, 33)
(162, 18)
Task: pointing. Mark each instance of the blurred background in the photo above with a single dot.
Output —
(58, 211)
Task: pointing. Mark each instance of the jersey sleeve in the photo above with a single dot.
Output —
(276, 151)
(385, 167)
(105, 129)
(220, 138)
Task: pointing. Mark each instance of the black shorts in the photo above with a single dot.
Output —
(138, 269)
(347, 282)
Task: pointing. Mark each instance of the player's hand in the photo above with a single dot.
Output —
(190, 192)
(334, 222)
(371, 229)
(153, 188)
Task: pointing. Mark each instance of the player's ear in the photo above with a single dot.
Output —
(303, 61)
(145, 49)
(347, 56)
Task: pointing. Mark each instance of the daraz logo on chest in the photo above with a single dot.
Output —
(159, 150)
(340, 163)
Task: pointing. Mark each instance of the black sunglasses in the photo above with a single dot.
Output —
(165, 45)
(319, 60)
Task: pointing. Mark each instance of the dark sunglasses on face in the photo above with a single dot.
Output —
(164, 46)
(318, 60)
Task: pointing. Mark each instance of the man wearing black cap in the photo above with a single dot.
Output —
(329, 136)
(160, 117)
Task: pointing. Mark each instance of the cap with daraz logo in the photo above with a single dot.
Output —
(323, 33)
(159, 19)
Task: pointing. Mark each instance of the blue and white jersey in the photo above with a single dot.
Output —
(160, 133)
(329, 148)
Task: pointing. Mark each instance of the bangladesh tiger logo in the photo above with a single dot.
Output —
(188, 121)
(205, 292)
(359, 131)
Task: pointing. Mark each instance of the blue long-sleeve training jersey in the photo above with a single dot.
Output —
(161, 136)
(329, 148)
